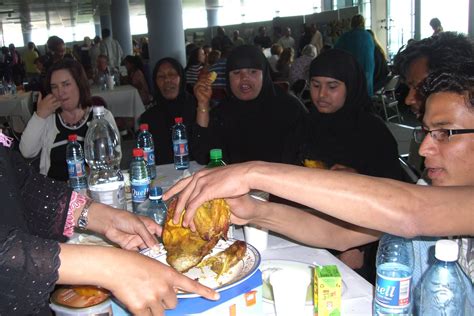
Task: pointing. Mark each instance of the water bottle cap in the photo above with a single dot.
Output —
(72, 137)
(216, 153)
(178, 120)
(137, 152)
(98, 109)
(144, 127)
(156, 193)
(446, 250)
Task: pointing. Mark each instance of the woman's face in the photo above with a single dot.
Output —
(168, 81)
(328, 94)
(246, 83)
(201, 56)
(65, 89)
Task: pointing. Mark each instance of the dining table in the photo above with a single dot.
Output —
(17, 109)
(357, 293)
(122, 101)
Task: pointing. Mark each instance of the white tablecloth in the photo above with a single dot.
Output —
(122, 101)
(17, 108)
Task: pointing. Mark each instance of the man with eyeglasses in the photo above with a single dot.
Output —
(357, 208)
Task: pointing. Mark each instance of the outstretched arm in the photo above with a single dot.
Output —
(375, 203)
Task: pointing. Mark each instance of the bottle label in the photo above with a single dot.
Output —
(140, 190)
(112, 194)
(76, 168)
(180, 148)
(149, 156)
(393, 292)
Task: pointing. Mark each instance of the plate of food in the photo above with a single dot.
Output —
(205, 254)
(206, 272)
(269, 266)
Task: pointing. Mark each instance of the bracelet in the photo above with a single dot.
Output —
(203, 110)
(84, 217)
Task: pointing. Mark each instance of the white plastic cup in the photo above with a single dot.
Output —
(104, 308)
(289, 291)
(257, 237)
(110, 82)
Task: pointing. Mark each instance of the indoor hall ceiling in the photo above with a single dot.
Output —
(44, 13)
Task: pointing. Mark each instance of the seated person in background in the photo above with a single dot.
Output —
(258, 120)
(283, 65)
(39, 214)
(276, 51)
(66, 109)
(220, 67)
(171, 100)
(103, 69)
(136, 77)
(195, 64)
(375, 205)
(213, 56)
(300, 68)
(345, 137)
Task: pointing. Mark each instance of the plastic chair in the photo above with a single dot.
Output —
(386, 101)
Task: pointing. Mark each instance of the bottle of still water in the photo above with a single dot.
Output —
(154, 207)
(442, 287)
(180, 145)
(145, 142)
(76, 165)
(139, 179)
(103, 154)
(395, 260)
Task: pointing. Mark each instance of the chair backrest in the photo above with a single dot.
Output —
(392, 84)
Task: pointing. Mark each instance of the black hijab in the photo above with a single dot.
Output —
(262, 128)
(351, 136)
(160, 117)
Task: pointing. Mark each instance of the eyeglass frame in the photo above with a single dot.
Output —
(440, 131)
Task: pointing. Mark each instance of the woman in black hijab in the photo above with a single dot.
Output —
(258, 120)
(346, 136)
(172, 101)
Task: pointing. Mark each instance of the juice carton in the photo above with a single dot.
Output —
(327, 291)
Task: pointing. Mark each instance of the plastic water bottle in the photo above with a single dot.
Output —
(139, 180)
(76, 165)
(145, 142)
(393, 292)
(154, 207)
(103, 155)
(216, 158)
(180, 145)
(442, 287)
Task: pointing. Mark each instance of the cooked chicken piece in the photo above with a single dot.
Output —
(314, 164)
(221, 262)
(185, 248)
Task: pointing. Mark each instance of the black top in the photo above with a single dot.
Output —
(160, 117)
(58, 168)
(267, 128)
(351, 136)
(33, 211)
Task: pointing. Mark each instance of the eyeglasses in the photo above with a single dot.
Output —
(440, 135)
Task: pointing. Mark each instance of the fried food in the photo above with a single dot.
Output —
(212, 76)
(185, 248)
(314, 164)
(224, 260)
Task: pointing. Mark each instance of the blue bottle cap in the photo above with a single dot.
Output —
(156, 192)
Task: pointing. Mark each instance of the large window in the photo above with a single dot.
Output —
(399, 24)
(453, 16)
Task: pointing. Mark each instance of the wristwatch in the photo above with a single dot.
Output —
(84, 217)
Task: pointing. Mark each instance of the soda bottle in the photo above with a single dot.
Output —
(442, 287)
(154, 207)
(216, 158)
(180, 145)
(145, 142)
(395, 260)
(103, 154)
(139, 179)
(76, 165)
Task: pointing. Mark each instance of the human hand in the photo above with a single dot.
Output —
(207, 184)
(338, 167)
(128, 230)
(47, 105)
(203, 89)
(244, 209)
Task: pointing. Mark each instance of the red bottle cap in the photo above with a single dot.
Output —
(178, 120)
(137, 152)
(144, 127)
(72, 137)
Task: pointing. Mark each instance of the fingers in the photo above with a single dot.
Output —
(175, 189)
(188, 285)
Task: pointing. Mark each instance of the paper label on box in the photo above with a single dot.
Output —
(327, 291)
